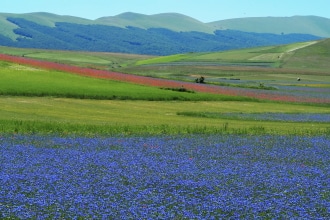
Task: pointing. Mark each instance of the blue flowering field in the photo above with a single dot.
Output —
(165, 177)
(266, 116)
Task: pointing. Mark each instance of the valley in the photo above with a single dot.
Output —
(158, 129)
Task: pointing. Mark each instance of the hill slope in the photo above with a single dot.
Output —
(161, 34)
(277, 25)
(307, 56)
(315, 56)
(172, 21)
(42, 18)
(313, 25)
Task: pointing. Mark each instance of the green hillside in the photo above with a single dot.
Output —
(318, 26)
(42, 18)
(160, 34)
(309, 56)
(268, 67)
(271, 56)
(7, 28)
(316, 57)
(177, 22)
(171, 21)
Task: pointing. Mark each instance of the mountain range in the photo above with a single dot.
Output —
(159, 34)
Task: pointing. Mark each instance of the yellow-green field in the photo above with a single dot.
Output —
(151, 115)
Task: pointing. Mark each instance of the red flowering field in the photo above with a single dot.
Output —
(321, 96)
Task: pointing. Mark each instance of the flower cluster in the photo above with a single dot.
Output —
(312, 95)
(167, 177)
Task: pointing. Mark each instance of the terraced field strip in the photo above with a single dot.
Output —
(149, 81)
(45, 114)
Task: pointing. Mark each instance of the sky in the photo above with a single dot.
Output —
(202, 10)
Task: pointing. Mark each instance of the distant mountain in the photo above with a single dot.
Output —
(42, 18)
(160, 34)
(277, 25)
(171, 21)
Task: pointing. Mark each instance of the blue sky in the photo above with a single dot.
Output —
(204, 10)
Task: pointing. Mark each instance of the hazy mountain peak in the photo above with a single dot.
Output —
(172, 32)
(130, 15)
(313, 25)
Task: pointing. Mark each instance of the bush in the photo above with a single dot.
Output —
(200, 80)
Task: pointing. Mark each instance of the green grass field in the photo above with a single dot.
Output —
(91, 117)
(34, 100)
(21, 80)
(107, 61)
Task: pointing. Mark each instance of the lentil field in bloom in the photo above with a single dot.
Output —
(165, 177)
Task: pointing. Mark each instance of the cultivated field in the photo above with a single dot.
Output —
(130, 136)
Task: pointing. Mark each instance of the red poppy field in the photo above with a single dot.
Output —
(295, 94)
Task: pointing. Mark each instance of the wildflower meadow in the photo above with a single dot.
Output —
(309, 95)
(92, 143)
(165, 177)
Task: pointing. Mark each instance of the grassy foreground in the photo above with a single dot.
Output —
(104, 117)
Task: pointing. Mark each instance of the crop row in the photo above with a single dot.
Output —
(307, 117)
(266, 116)
(165, 177)
(320, 97)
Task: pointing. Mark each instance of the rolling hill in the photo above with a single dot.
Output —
(307, 56)
(42, 18)
(316, 56)
(172, 21)
(160, 34)
(314, 25)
